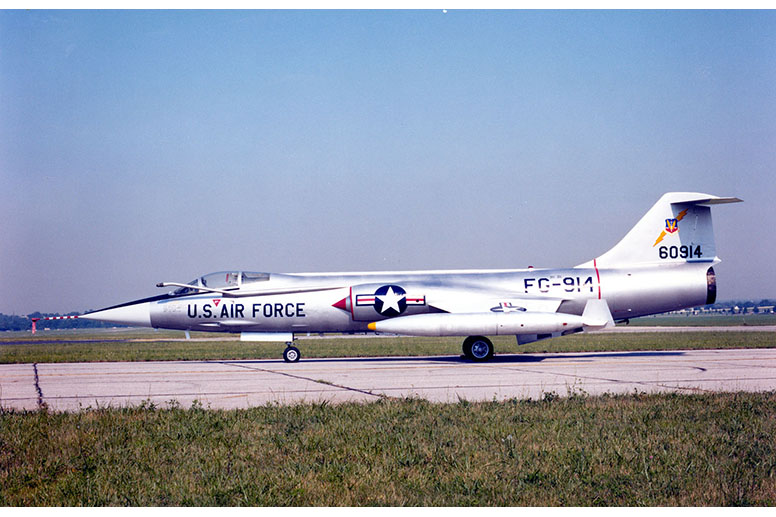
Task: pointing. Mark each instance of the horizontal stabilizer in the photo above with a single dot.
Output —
(708, 200)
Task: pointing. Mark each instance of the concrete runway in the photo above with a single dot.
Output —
(240, 384)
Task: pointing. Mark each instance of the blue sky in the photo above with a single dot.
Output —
(139, 147)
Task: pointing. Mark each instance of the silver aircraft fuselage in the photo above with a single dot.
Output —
(311, 307)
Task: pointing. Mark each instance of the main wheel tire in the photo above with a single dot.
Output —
(478, 348)
(467, 353)
(291, 354)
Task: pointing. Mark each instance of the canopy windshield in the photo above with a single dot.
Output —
(223, 280)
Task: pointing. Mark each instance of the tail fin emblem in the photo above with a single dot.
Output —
(672, 226)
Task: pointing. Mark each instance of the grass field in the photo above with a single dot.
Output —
(143, 346)
(656, 450)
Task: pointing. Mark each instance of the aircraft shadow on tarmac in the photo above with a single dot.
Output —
(498, 359)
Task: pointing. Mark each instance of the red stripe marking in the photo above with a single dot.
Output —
(598, 277)
(352, 305)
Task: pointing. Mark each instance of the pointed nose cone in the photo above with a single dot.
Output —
(133, 314)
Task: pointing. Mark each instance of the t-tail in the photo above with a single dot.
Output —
(676, 229)
(665, 262)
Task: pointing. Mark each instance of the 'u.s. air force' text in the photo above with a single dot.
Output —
(257, 310)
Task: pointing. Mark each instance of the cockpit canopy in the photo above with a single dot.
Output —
(223, 280)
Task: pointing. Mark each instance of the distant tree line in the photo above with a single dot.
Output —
(744, 304)
(25, 322)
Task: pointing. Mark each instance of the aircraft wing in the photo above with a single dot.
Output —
(505, 318)
(486, 303)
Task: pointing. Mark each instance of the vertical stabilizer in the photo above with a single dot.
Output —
(676, 229)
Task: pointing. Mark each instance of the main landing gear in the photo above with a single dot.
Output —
(291, 354)
(475, 348)
(478, 348)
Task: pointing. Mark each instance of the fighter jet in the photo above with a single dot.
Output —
(665, 263)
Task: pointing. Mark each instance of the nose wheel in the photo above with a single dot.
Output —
(291, 354)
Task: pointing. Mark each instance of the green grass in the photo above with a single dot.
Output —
(151, 347)
(655, 450)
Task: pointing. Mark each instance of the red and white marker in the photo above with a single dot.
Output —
(35, 320)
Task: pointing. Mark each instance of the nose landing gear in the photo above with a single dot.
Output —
(291, 354)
